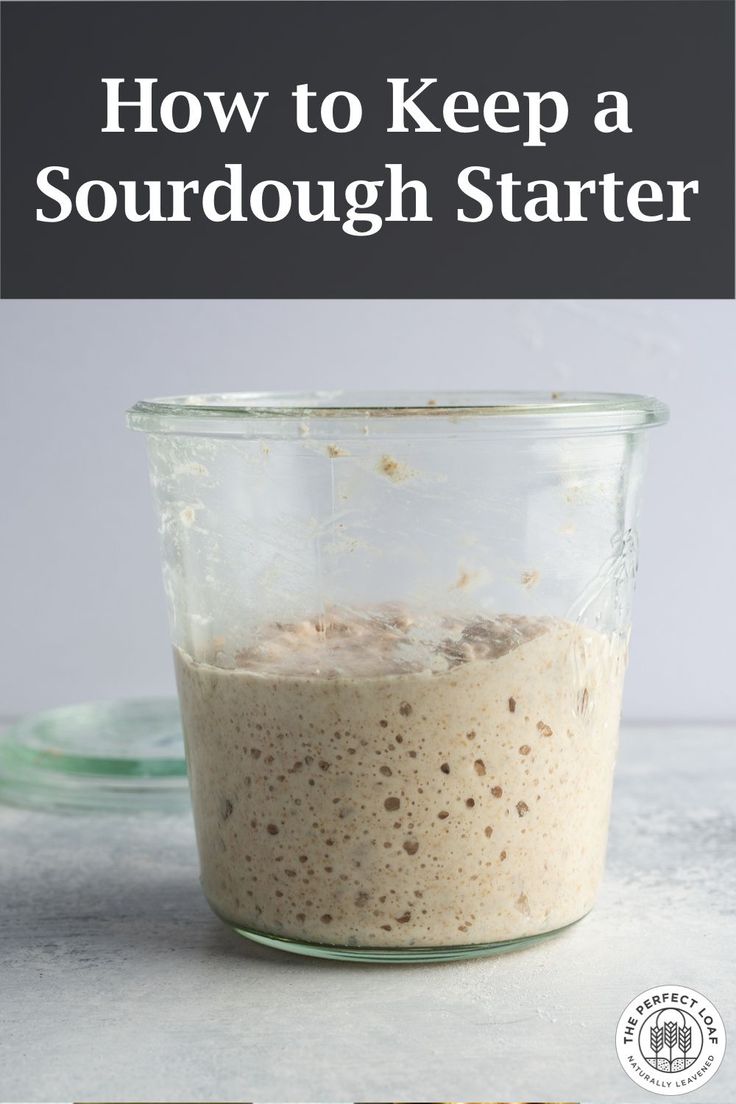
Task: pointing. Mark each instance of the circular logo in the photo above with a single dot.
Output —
(670, 1040)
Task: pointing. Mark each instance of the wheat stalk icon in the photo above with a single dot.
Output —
(684, 1038)
(673, 1037)
(655, 1041)
(670, 1037)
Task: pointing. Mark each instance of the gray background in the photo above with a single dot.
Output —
(678, 131)
(82, 610)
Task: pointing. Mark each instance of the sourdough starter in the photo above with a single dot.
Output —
(380, 782)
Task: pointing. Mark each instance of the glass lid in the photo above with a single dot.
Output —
(122, 756)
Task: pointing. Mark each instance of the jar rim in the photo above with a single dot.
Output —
(574, 409)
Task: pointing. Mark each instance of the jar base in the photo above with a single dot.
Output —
(400, 955)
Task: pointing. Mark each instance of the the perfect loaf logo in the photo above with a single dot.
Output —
(670, 1040)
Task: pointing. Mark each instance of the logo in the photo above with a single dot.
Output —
(670, 1040)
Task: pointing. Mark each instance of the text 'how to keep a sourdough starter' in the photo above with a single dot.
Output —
(360, 207)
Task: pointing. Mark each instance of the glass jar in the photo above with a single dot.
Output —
(400, 627)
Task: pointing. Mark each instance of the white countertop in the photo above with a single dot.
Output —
(117, 982)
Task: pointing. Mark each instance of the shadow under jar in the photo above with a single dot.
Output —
(400, 627)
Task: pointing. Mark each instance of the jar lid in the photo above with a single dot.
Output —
(118, 756)
(520, 411)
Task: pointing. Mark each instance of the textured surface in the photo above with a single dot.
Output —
(116, 982)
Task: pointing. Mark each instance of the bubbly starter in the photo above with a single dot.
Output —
(373, 780)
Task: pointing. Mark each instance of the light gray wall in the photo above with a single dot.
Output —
(83, 612)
